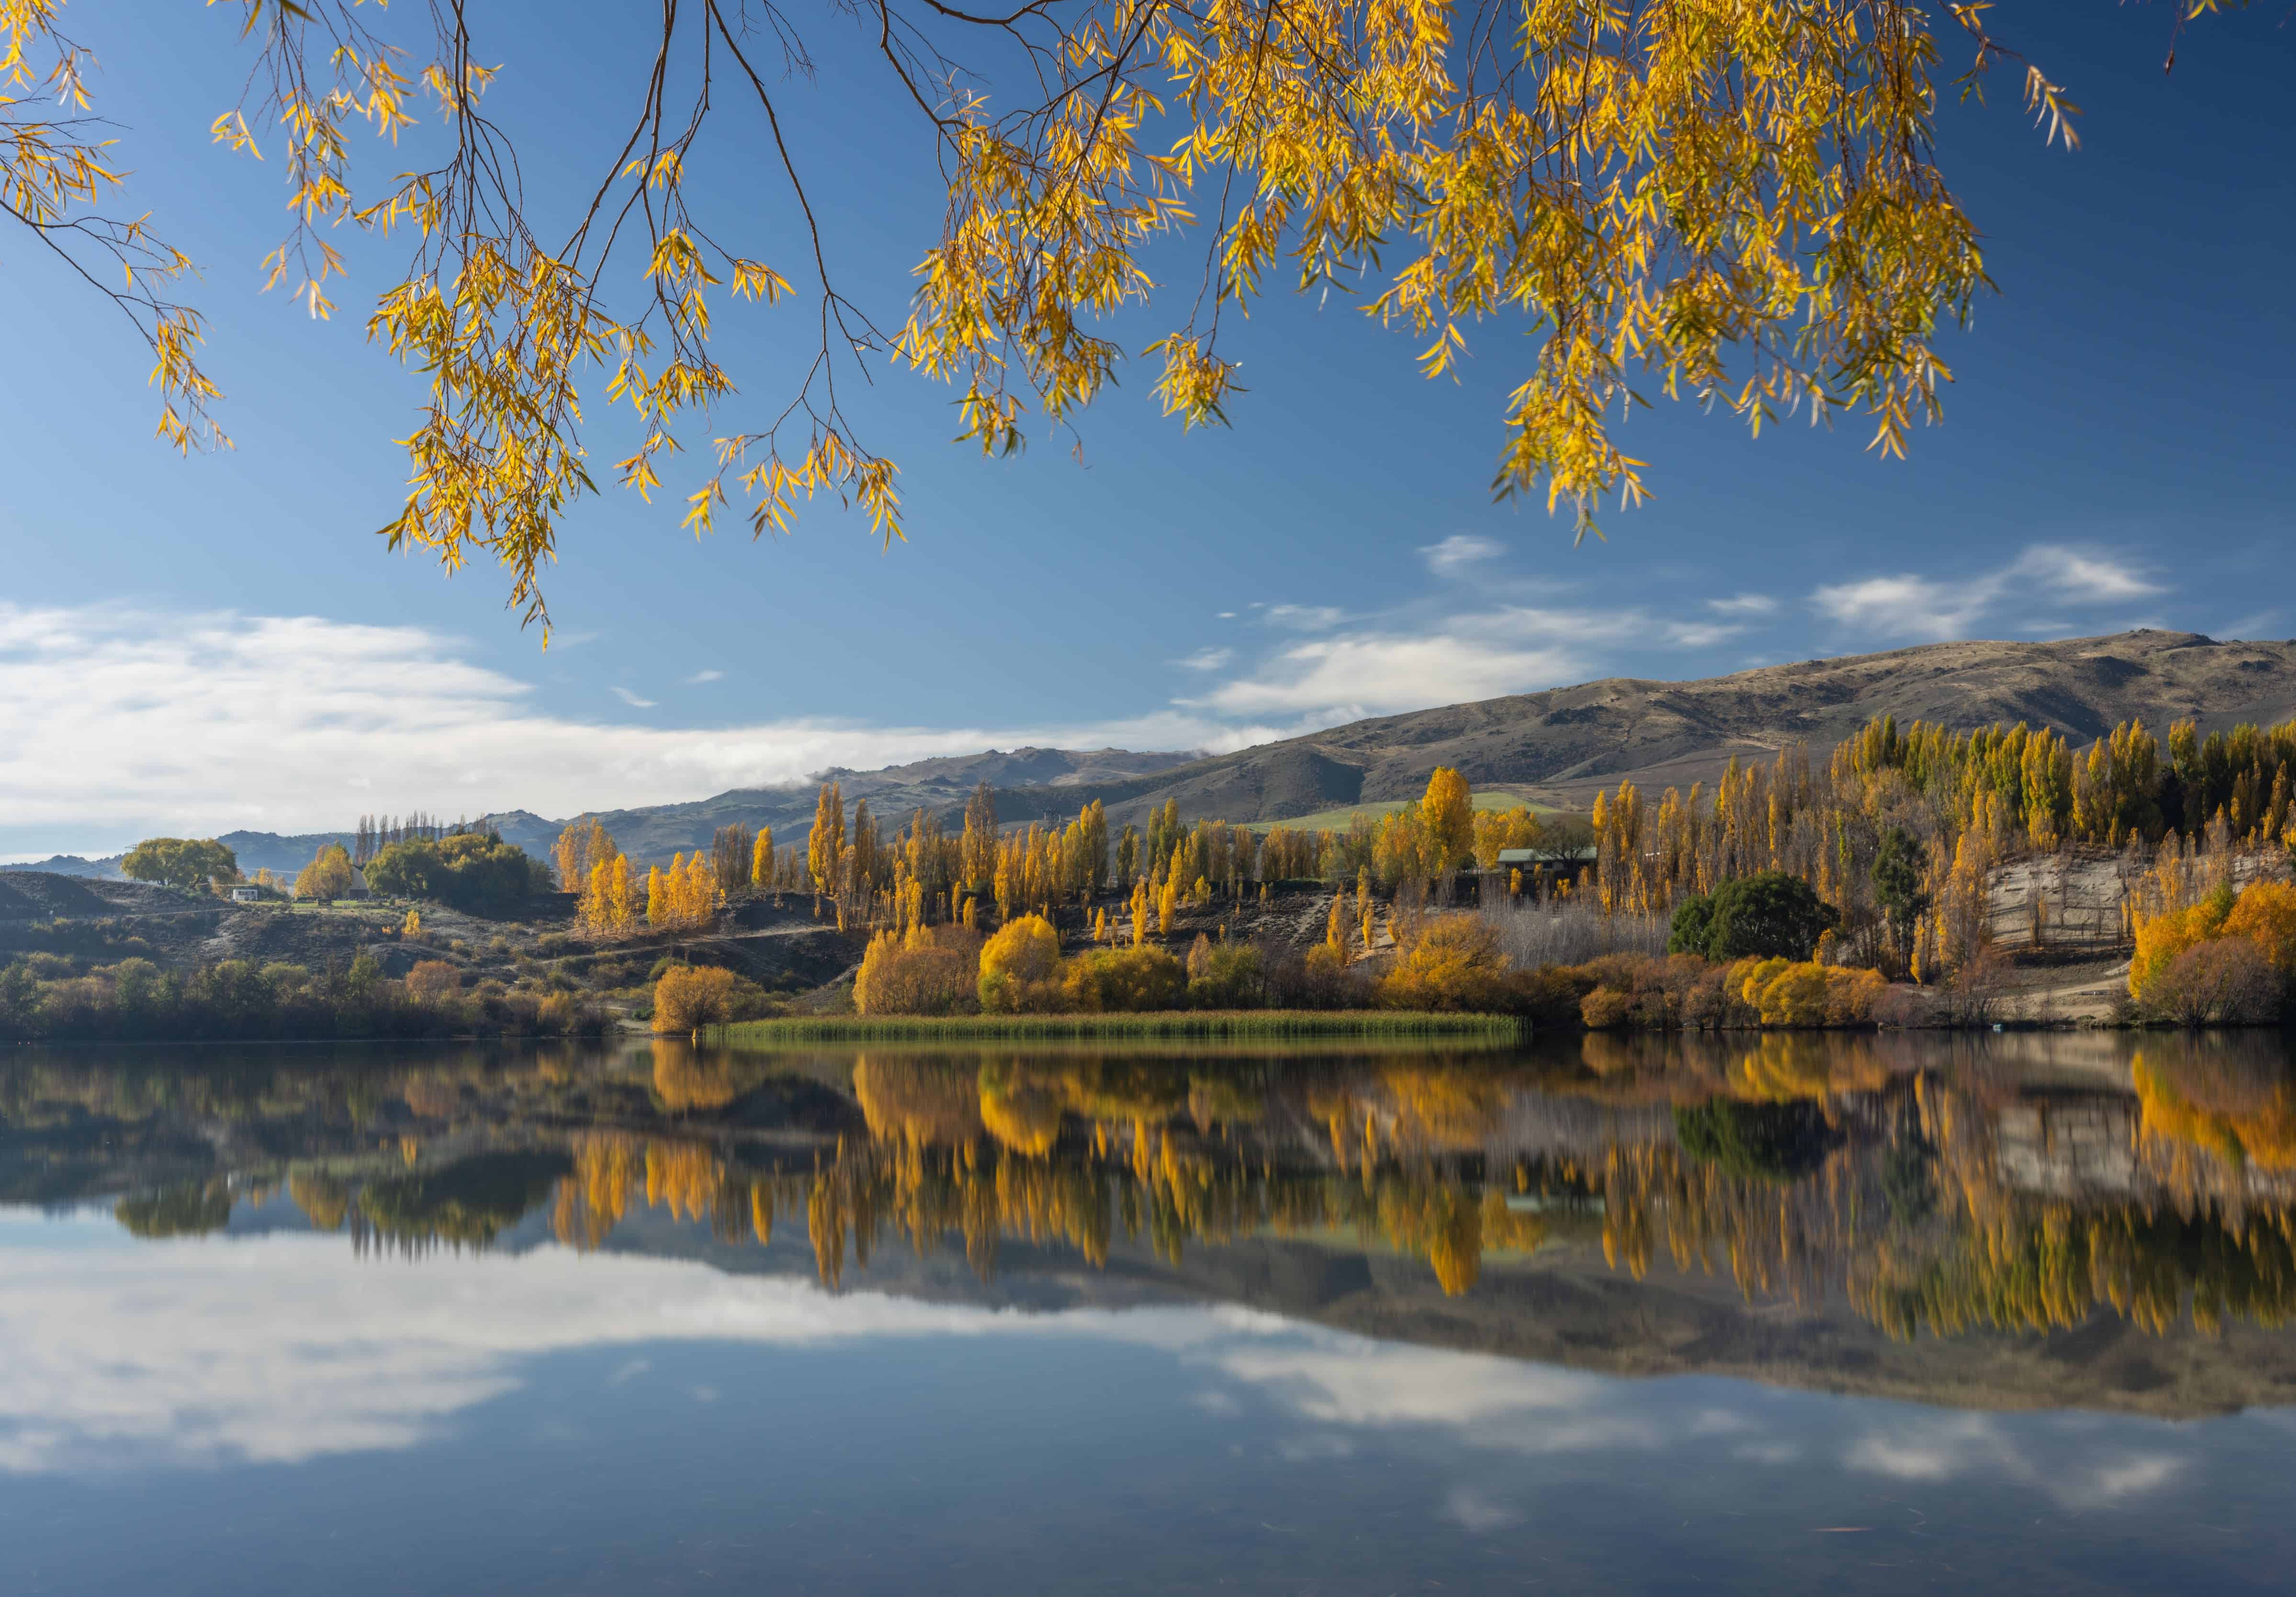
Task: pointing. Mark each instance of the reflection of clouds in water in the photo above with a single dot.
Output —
(290, 1348)
(1344, 1380)
(1767, 1452)
(2085, 1475)
(1314, 1448)
(1475, 1511)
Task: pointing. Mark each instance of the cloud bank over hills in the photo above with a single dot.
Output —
(121, 720)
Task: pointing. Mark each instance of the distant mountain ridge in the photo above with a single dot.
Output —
(1555, 747)
(1558, 747)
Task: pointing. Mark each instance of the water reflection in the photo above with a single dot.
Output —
(1151, 1320)
(1935, 1185)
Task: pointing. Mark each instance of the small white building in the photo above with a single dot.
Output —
(246, 892)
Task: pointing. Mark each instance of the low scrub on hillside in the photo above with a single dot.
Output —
(42, 999)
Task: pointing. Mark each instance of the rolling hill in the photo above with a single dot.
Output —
(1559, 746)
(1554, 748)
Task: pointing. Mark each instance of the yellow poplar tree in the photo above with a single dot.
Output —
(620, 912)
(1448, 810)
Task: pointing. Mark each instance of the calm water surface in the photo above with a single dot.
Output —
(1998, 1315)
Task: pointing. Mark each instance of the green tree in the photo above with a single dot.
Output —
(472, 871)
(1692, 925)
(185, 863)
(1897, 882)
(1767, 915)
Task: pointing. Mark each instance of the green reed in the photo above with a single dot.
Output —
(1265, 1023)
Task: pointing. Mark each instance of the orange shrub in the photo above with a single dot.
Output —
(432, 980)
(2160, 938)
(691, 996)
(2225, 982)
(1449, 963)
(933, 970)
(1606, 1008)
(2265, 915)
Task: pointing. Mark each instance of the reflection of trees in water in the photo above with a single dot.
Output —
(465, 1204)
(186, 1209)
(324, 1200)
(2206, 1101)
(2049, 1268)
(1073, 1152)
(1938, 1197)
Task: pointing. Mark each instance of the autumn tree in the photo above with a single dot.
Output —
(328, 876)
(1019, 964)
(690, 996)
(1737, 205)
(825, 845)
(979, 846)
(762, 861)
(1448, 809)
(591, 865)
(579, 845)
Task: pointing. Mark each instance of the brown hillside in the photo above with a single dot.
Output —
(1561, 745)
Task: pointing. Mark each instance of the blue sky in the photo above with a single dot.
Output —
(222, 641)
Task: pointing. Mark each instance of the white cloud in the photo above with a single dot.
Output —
(2079, 577)
(1449, 659)
(1206, 659)
(1699, 635)
(1743, 604)
(1460, 550)
(1337, 679)
(1922, 608)
(632, 699)
(1904, 606)
(702, 676)
(116, 722)
(1304, 617)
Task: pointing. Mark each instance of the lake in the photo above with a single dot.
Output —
(1864, 1314)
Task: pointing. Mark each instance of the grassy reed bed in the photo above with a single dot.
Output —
(1257, 1024)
